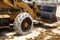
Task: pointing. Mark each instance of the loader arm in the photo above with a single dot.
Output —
(27, 8)
(35, 6)
(23, 5)
(7, 2)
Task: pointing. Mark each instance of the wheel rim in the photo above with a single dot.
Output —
(26, 24)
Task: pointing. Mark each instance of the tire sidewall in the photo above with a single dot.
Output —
(19, 20)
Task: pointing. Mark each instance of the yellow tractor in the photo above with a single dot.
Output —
(22, 14)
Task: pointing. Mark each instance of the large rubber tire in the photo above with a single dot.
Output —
(19, 23)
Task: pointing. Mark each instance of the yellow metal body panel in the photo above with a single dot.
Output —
(18, 5)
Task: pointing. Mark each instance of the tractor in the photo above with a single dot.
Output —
(24, 13)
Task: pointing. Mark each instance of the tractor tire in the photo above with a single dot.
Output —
(23, 23)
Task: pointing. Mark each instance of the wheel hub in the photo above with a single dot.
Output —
(26, 24)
